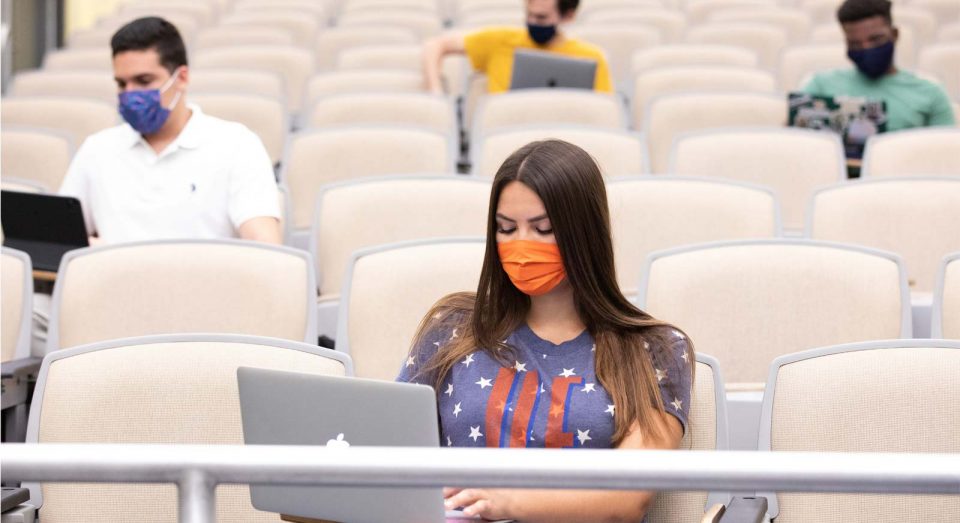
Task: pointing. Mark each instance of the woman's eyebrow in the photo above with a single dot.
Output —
(531, 220)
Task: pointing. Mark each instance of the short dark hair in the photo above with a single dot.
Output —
(152, 32)
(856, 10)
(567, 6)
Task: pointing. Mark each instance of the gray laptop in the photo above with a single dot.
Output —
(287, 408)
(537, 69)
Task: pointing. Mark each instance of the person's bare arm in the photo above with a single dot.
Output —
(264, 229)
(557, 506)
(433, 52)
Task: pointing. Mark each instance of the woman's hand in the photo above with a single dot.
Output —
(486, 503)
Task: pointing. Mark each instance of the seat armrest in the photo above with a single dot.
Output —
(713, 514)
(23, 367)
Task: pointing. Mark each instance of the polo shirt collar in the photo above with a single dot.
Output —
(190, 136)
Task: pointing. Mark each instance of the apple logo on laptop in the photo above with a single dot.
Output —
(339, 442)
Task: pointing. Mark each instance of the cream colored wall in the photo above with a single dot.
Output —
(82, 14)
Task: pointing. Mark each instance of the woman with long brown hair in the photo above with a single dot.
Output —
(548, 352)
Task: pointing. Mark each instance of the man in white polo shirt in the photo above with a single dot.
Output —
(170, 171)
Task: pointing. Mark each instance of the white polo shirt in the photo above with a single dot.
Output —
(213, 177)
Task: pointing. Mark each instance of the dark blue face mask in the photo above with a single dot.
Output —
(873, 62)
(143, 109)
(541, 34)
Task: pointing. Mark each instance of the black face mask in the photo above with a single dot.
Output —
(873, 62)
(541, 34)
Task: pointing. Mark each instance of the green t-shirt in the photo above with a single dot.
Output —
(911, 101)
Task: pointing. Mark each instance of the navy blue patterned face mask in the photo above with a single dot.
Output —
(873, 62)
(143, 109)
(541, 34)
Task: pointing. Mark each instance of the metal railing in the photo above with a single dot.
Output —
(198, 469)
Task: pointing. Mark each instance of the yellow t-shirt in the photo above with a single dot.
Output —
(491, 51)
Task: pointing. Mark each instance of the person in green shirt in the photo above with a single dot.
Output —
(871, 37)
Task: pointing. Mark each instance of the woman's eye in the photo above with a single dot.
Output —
(545, 232)
(501, 230)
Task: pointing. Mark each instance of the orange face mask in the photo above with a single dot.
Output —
(535, 268)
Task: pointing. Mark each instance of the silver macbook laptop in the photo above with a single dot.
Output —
(537, 69)
(286, 408)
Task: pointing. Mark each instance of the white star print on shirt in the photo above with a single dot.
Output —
(678, 334)
(660, 375)
(437, 343)
(449, 442)
(449, 391)
(484, 383)
(589, 388)
(475, 433)
(542, 389)
(468, 360)
(610, 409)
(567, 373)
(684, 356)
(593, 348)
(677, 404)
(583, 436)
(411, 361)
(453, 336)
(521, 367)
(457, 410)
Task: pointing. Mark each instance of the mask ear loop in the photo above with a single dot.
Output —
(167, 85)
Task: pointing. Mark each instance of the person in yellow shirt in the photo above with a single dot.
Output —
(491, 50)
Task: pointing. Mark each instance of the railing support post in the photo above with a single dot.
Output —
(197, 497)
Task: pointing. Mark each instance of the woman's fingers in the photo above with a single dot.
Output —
(463, 498)
(480, 508)
(450, 491)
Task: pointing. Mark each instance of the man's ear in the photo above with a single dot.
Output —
(896, 34)
(183, 75)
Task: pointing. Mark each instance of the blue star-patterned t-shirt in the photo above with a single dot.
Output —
(550, 397)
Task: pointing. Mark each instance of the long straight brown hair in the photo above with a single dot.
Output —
(629, 342)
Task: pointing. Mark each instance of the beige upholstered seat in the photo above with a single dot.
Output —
(798, 63)
(77, 117)
(392, 287)
(512, 17)
(74, 84)
(692, 54)
(764, 39)
(793, 162)
(187, 25)
(917, 218)
(794, 22)
(17, 288)
(302, 28)
(929, 151)
(230, 35)
(316, 158)
(943, 60)
(291, 62)
(237, 81)
(949, 32)
(37, 155)
(180, 286)
(890, 396)
(942, 9)
(424, 25)
(406, 57)
(651, 213)
(619, 41)
(617, 152)
(203, 13)
(414, 109)
(671, 23)
(81, 59)
(92, 38)
(599, 6)
(177, 389)
(363, 6)
(670, 116)
(548, 106)
(707, 430)
(946, 299)
(9, 183)
(747, 302)
(314, 8)
(394, 209)
(332, 41)
(701, 78)
(905, 54)
(363, 81)
(264, 116)
(922, 21)
(700, 11)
